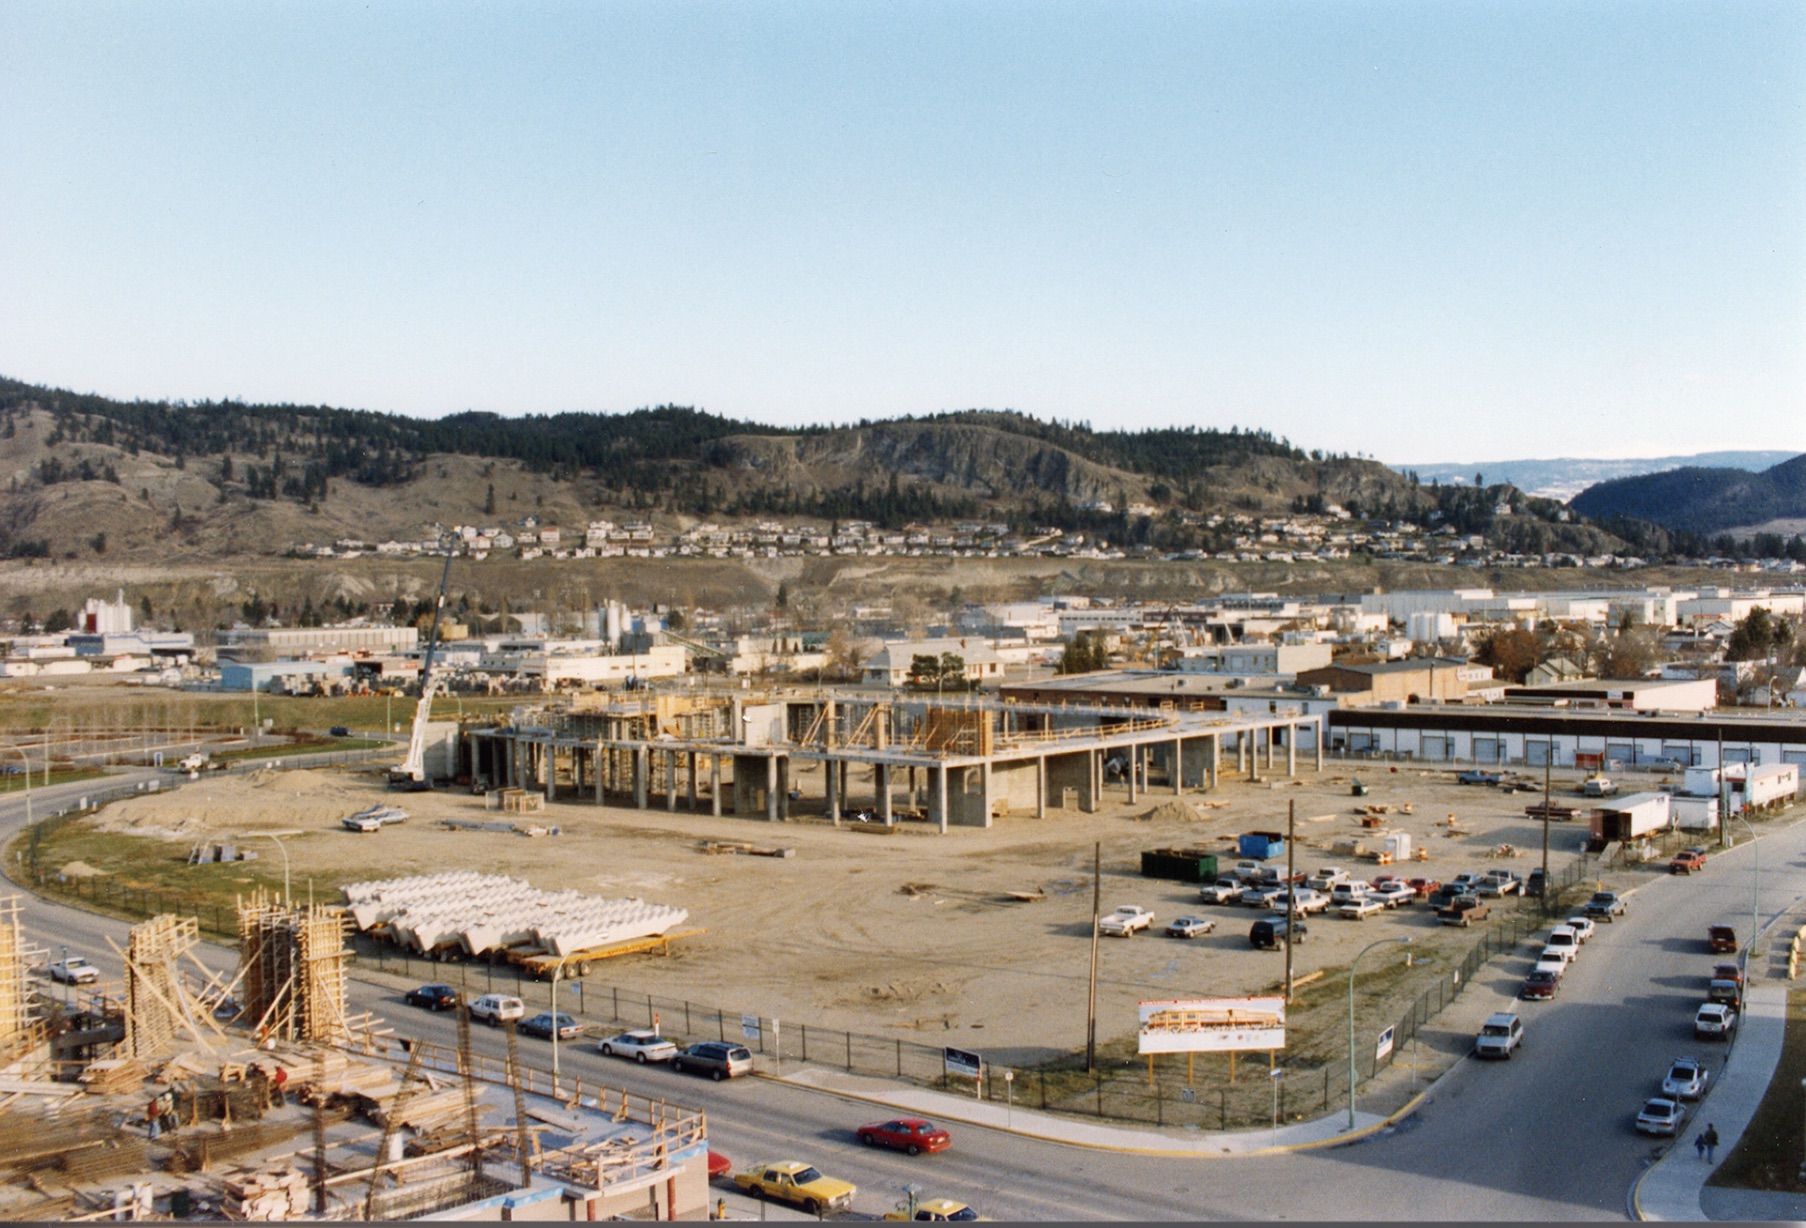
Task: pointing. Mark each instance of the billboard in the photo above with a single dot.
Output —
(1212, 1025)
(962, 1062)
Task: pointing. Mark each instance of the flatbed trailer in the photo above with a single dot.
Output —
(541, 963)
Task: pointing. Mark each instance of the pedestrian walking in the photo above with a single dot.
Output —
(170, 1118)
(154, 1116)
(1699, 1144)
(279, 1081)
(1711, 1137)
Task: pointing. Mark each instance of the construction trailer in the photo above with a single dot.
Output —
(1632, 818)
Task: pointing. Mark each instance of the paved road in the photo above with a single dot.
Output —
(1545, 1136)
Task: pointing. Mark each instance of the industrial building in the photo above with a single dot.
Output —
(964, 762)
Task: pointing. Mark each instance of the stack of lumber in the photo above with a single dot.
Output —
(114, 1076)
(279, 1194)
(423, 1112)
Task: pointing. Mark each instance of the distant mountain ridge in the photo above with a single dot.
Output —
(1565, 477)
(1702, 500)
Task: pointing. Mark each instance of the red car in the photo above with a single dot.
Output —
(1686, 862)
(1721, 939)
(910, 1134)
(1424, 887)
(1728, 972)
(1540, 985)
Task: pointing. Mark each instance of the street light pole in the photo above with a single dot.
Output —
(1351, 1020)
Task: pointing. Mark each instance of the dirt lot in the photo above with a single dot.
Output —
(908, 934)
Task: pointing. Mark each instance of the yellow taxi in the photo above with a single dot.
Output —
(794, 1182)
(944, 1210)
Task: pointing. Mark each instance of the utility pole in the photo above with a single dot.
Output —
(1097, 891)
(1291, 894)
(1544, 901)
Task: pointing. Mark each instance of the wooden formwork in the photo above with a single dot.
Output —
(15, 990)
(292, 969)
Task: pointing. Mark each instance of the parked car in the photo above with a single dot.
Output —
(1259, 897)
(1500, 883)
(1248, 871)
(75, 970)
(1715, 1021)
(542, 1025)
(1563, 937)
(1535, 884)
(1474, 776)
(934, 1210)
(641, 1045)
(1551, 963)
(494, 1008)
(800, 1184)
(1686, 862)
(1424, 887)
(1686, 1079)
(1189, 927)
(1303, 900)
(1463, 910)
(1392, 893)
(1271, 935)
(1661, 1116)
(1598, 786)
(1728, 972)
(1583, 928)
(338, 731)
(1326, 878)
(719, 1166)
(1554, 953)
(1541, 983)
(1125, 921)
(907, 1134)
(1721, 939)
(1360, 908)
(1725, 992)
(432, 997)
(1223, 891)
(1499, 1035)
(717, 1059)
(1606, 905)
(1467, 883)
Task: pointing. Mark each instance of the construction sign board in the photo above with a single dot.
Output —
(1212, 1025)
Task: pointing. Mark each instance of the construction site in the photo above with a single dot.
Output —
(946, 762)
(192, 1094)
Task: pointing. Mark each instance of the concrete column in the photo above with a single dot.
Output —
(1134, 761)
(940, 797)
(784, 787)
(550, 762)
(642, 768)
(1291, 750)
(670, 780)
(1093, 772)
(600, 763)
(1178, 767)
(985, 787)
(771, 788)
(1241, 751)
(827, 724)
(1214, 764)
(1041, 787)
(845, 770)
(881, 778)
(715, 785)
(912, 787)
(692, 766)
(1322, 731)
(831, 772)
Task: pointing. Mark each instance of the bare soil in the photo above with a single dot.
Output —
(908, 934)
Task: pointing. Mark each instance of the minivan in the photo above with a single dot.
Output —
(717, 1059)
(1270, 935)
(493, 1008)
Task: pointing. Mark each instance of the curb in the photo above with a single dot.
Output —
(1120, 1149)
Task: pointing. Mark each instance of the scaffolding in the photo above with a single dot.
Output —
(292, 970)
(162, 1013)
(15, 990)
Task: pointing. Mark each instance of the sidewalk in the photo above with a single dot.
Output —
(1673, 1188)
(1032, 1123)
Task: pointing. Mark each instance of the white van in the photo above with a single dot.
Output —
(493, 1008)
(1499, 1035)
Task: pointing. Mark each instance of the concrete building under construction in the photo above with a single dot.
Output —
(964, 761)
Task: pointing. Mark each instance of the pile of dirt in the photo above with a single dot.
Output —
(79, 869)
(1172, 812)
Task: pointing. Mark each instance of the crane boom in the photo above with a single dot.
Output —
(411, 775)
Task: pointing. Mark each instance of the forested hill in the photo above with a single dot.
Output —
(379, 449)
(1702, 500)
(88, 474)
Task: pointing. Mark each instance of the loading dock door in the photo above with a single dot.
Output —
(1486, 750)
(1434, 747)
(1536, 753)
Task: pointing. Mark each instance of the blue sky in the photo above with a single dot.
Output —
(1420, 231)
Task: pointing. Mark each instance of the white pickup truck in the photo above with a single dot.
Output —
(1361, 908)
(1125, 921)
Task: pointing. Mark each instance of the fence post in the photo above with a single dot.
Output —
(1223, 1107)
(899, 1057)
(805, 1030)
(1100, 1095)
(849, 1036)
